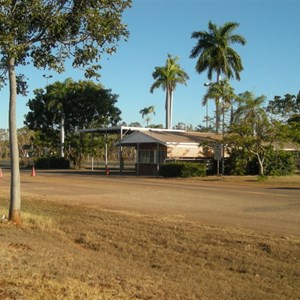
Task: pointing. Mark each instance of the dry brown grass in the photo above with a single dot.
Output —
(76, 252)
(287, 181)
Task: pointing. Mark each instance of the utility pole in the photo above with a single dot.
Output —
(47, 77)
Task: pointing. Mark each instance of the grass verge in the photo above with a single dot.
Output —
(76, 252)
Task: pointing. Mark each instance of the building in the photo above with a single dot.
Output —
(156, 146)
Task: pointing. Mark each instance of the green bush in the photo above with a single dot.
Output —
(52, 163)
(182, 169)
(240, 163)
(279, 163)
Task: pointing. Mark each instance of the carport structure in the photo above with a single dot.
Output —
(120, 131)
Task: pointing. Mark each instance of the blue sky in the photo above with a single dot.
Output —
(271, 57)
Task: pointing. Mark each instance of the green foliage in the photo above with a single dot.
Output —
(50, 32)
(216, 91)
(4, 144)
(287, 110)
(252, 130)
(284, 107)
(171, 170)
(276, 163)
(240, 163)
(82, 104)
(167, 78)
(214, 52)
(52, 163)
(294, 128)
(279, 163)
(46, 34)
(181, 169)
(145, 112)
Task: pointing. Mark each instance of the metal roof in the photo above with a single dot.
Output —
(169, 138)
(125, 130)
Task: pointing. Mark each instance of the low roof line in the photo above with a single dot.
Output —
(121, 129)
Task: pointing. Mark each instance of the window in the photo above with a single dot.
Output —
(147, 156)
(150, 156)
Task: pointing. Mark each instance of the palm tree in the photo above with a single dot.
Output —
(250, 109)
(215, 54)
(146, 112)
(167, 77)
(220, 90)
(216, 91)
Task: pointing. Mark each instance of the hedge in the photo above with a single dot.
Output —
(52, 163)
(182, 169)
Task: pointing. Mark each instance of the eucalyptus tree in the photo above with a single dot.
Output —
(167, 77)
(145, 112)
(46, 33)
(285, 107)
(287, 110)
(215, 55)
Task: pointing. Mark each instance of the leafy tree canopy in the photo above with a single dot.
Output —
(84, 104)
(286, 107)
(287, 110)
(252, 131)
(48, 32)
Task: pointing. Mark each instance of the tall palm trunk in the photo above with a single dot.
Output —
(166, 107)
(171, 108)
(15, 195)
(218, 107)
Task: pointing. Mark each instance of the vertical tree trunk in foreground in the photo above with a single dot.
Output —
(15, 195)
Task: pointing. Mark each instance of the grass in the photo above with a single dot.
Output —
(75, 252)
(288, 181)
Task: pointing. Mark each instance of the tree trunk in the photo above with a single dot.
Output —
(171, 108)
(260, 166)
(218, 107)
(167, 108)
(217, 115)
(62, 136)
(15, 191)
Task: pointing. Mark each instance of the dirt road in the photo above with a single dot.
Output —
(266, 209)
(86, 235)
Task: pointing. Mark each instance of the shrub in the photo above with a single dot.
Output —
(182, 169)
(52, 163)
(279, 163)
